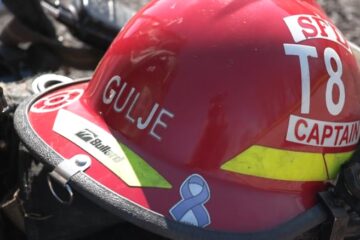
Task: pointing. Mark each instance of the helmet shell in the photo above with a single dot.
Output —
(254, 102)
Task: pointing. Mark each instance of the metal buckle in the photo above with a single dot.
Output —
(63, 173)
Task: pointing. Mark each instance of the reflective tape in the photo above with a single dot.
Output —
(279, 164)
(334, 162)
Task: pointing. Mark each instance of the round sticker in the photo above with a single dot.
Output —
(56, 101)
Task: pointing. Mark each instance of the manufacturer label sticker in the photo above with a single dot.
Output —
(56, 101)
(194, 192)
(126, 164)
(93, 139)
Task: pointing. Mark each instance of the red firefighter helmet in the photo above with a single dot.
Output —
(208, 118)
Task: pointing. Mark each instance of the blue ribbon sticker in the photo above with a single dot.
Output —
(195, 193)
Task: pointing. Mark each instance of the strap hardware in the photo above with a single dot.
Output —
(63, 173)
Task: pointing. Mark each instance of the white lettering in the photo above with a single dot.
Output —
(334, 80)
(131, 119)
(115, 89)
(107, 98)
(160, 122)
(144, 125)
(120, 109)
(303, 52)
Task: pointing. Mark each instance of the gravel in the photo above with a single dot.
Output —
(346, 16)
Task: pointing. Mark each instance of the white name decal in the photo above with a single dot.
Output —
(323, 134)
(125, 101)
(303, 27)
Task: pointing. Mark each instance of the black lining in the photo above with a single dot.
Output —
(145, 218)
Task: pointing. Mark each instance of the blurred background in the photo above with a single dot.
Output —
(346, 16)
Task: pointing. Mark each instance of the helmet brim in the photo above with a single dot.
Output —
(52, 148)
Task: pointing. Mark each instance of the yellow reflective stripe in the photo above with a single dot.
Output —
(334, 162)
(141, 174)
(287, 165)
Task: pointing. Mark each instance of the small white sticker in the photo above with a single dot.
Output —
(303, 27)
(56, 101)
